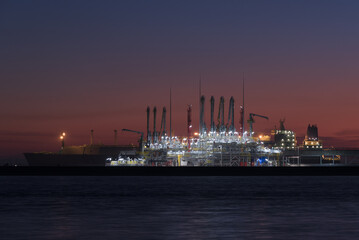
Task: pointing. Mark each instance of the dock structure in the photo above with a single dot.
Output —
(222, 145)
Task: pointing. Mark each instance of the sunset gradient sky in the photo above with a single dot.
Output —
(79, 65)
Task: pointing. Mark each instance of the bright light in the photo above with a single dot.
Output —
(64, 134)
(196, 133)
(260, 136)
(61, 137)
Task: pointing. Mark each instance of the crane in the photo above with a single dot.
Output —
(141, 139)
(251, 121)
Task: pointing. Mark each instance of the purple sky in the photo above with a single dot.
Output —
(79, 65)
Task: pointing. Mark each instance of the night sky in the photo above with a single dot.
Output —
(78, 65)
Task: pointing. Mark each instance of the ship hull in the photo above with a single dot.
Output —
(65, 160)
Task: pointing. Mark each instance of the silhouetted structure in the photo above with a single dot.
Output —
(311, 140)
(312, 132)
(284, 139)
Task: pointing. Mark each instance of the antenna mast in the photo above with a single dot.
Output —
(199, 97)
(170, 114)
(243, 107)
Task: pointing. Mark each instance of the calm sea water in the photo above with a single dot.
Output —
(179, 208)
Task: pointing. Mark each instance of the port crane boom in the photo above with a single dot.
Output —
(141, 139)
(251, 121)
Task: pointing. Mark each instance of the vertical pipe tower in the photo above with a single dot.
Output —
(148, 127)
(202, 125)
(155, 136)
(231, 106)
(229, 115)
(213, 126)
(189, 125)
(221, 126)
(163, 123)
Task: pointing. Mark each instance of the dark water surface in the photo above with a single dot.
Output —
(179, 208)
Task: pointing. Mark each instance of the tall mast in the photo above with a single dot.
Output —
(199, 97)
(189, 126)
(243, 107)
(200, 87)
(170, 113)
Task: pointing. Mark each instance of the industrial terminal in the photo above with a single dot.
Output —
(221, 144)
(218, 144)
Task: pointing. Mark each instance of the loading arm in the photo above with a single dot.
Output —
(141, 139)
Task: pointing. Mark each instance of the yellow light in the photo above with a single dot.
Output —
(64, 134)
(61, 137)
(196, 133)
(260, 136)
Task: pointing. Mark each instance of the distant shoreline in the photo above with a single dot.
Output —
(181, 171)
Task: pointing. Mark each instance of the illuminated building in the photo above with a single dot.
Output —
(284, 139)
(311, 140)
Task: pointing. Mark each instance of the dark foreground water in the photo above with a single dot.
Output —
(179, 208)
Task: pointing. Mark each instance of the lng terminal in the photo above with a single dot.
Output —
(219, 144)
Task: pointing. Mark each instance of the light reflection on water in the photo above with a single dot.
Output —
(179, 207)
